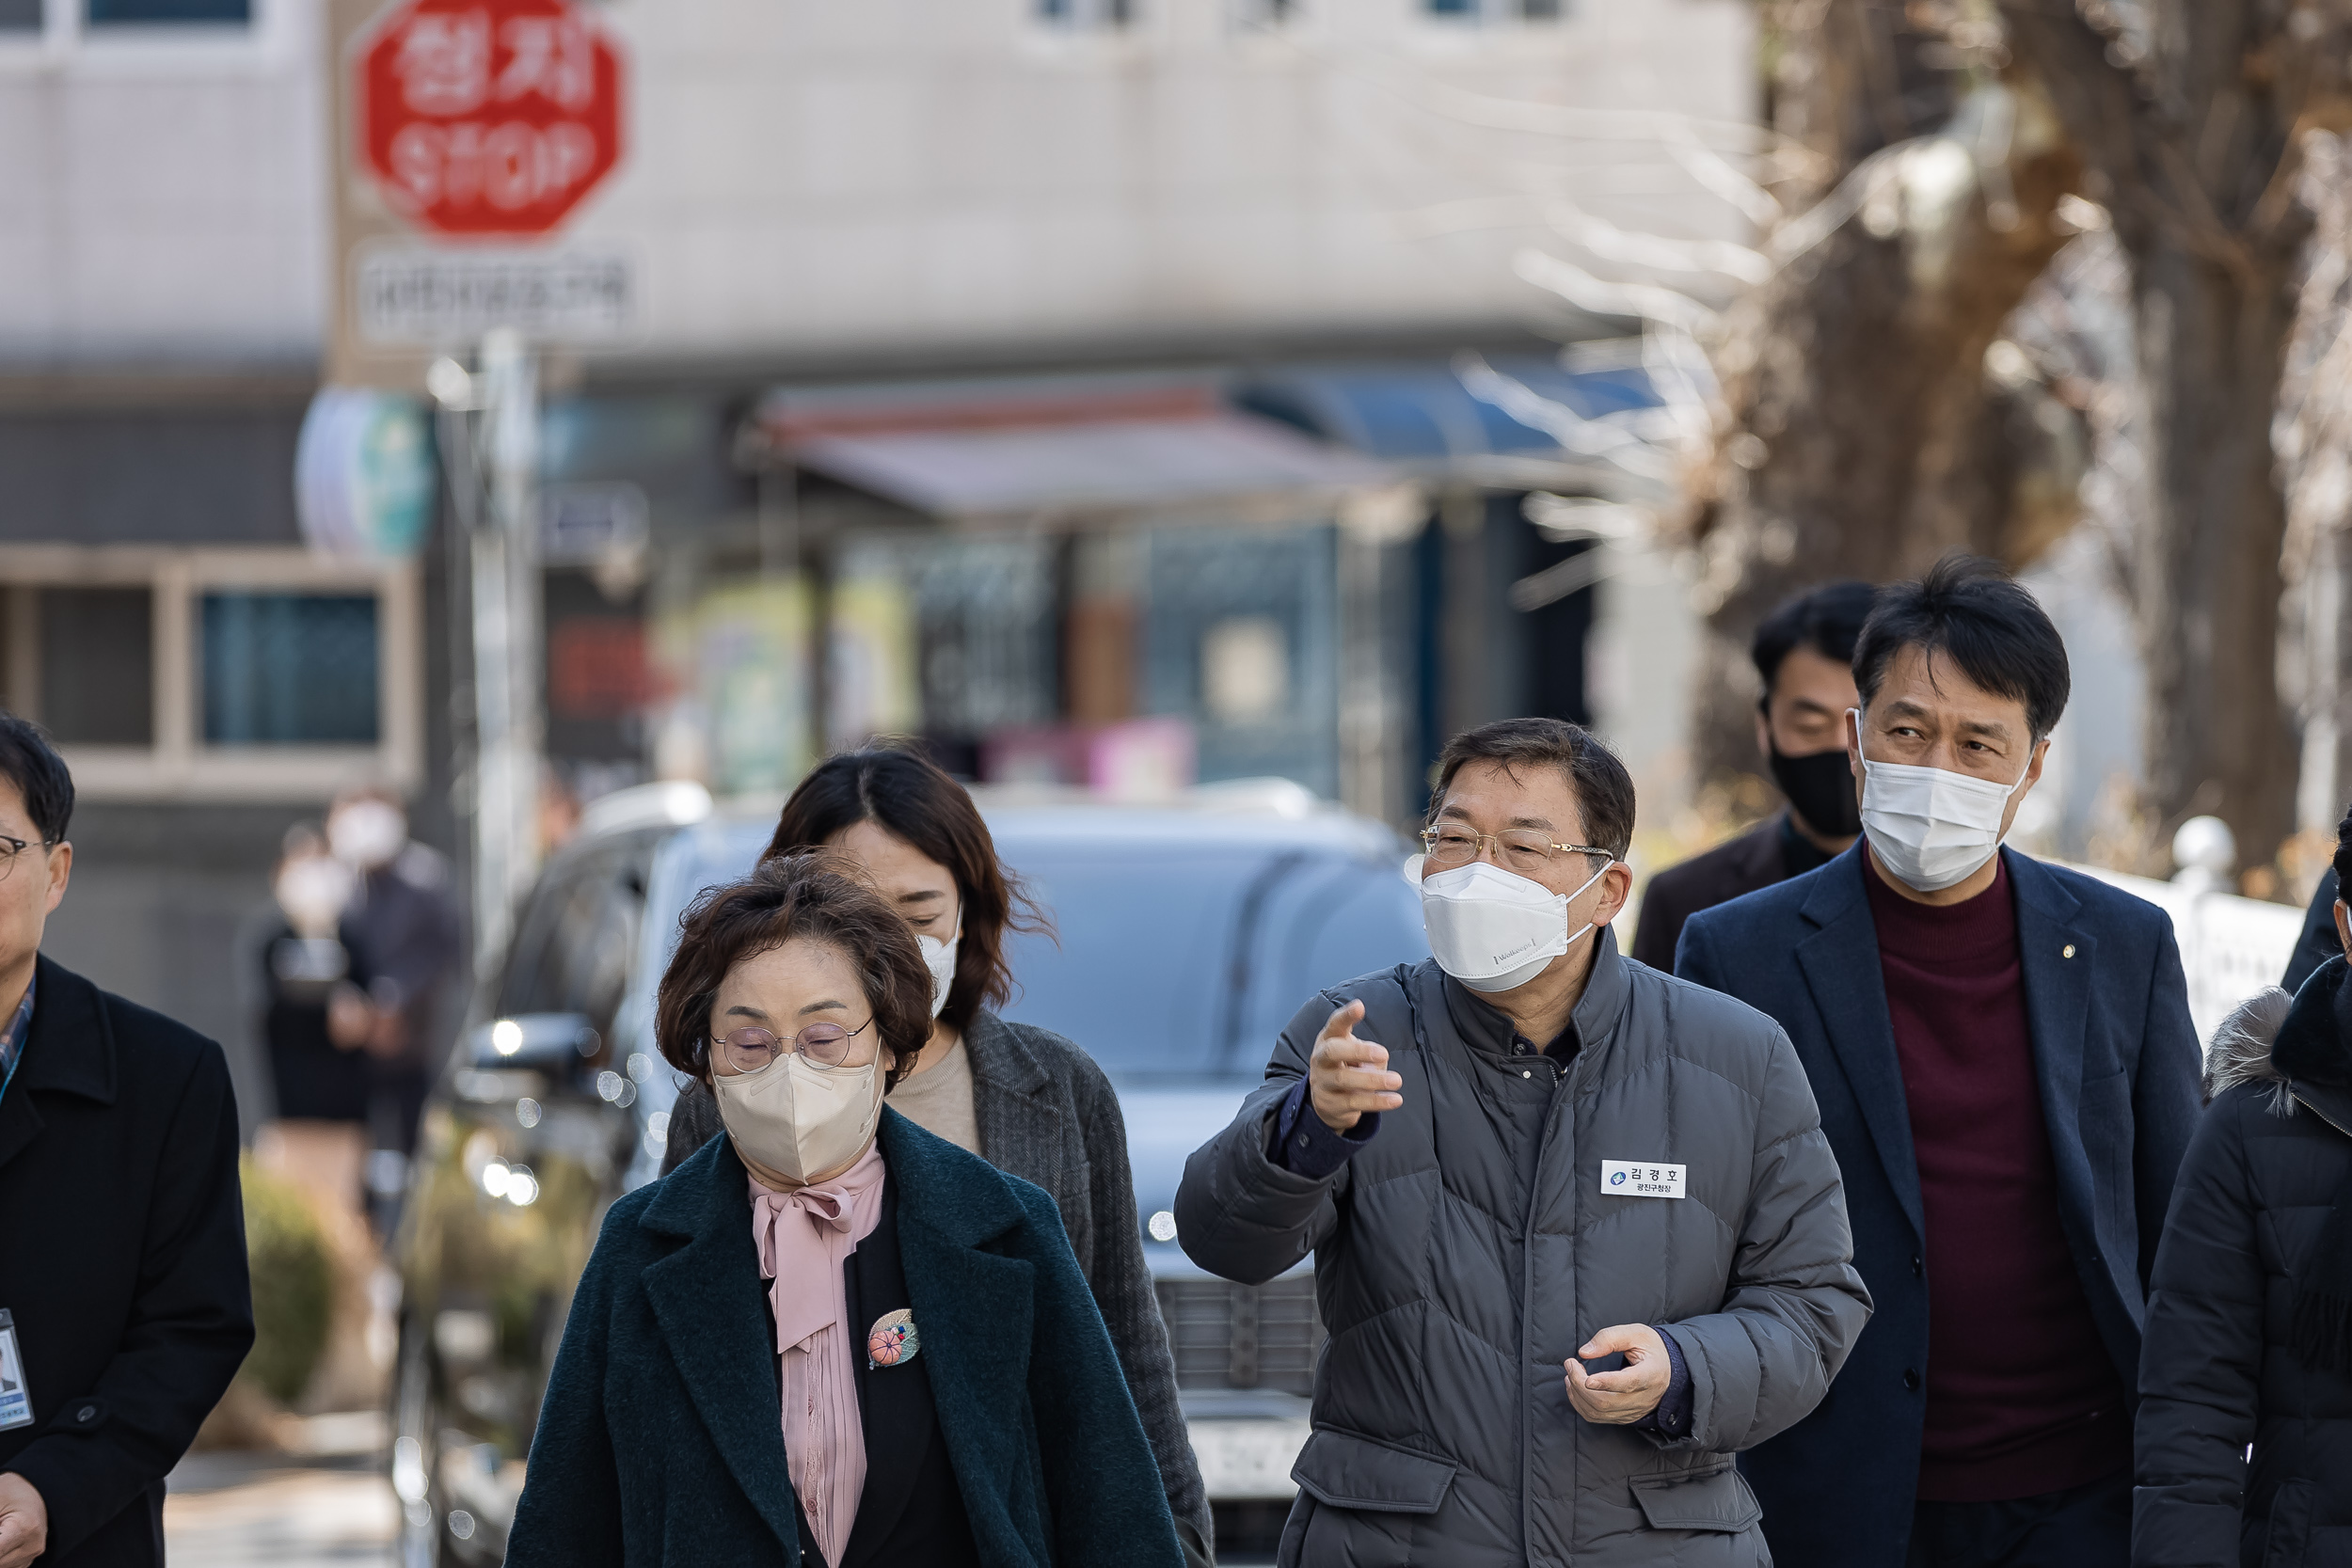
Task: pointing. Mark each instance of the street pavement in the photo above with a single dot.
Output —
(329, 1507)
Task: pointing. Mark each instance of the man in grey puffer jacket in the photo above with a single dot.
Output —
(1578, 1236)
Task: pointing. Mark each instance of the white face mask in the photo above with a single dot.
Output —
(367, 833)
(939, 958)
(313, 890)
(1929, 826)
(1494, 931)
(798, 1121)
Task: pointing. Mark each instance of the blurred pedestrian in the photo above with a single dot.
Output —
(124, 1308)
(404, 917)
(1803, 654)
(2245, 1427)
(1021, 1098)
(948, 1393)
(1520, 1157)
(316, 1022)
(2007, 1074)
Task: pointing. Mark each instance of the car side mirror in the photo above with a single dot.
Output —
(536, 1042)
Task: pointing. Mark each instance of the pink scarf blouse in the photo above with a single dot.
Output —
(803, 1239)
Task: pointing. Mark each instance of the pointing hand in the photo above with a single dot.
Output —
(1347, 1077)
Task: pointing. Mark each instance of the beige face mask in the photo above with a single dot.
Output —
(798, 1121)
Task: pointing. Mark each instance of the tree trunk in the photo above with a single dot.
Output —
(2189, 140)
(2216, 737)
(1863, 438)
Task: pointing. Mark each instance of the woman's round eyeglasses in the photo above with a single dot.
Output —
(1522, 849)
(823, 1044)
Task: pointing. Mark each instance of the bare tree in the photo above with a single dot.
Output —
(2314, 439)
(2188, 117)
(1860, 433)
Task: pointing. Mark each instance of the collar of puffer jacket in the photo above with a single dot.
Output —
(2315, 1045)
(1483, 1027)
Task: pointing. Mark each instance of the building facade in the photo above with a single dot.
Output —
(1074, 383)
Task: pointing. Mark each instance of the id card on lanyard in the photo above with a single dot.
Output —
(16, 1401)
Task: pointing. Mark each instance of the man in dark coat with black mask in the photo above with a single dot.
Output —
(1803, 654)
(124, 1308)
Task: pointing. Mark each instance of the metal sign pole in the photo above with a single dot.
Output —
(509, 723)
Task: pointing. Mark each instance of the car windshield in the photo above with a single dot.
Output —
(1180, 945)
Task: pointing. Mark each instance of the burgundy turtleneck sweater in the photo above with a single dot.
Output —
(2022, 1397)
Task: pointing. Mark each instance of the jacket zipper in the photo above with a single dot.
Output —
(2320, 1113)
(1526, 1311)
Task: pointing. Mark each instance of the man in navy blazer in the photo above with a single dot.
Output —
(2007, 1074)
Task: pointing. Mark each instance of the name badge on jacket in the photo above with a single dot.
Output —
(1639, 1178)
(16, 1404)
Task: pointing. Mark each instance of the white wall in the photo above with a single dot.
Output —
(163, 194)
(920, 172)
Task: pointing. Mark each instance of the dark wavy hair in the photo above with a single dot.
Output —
(821, 895)
(906, 794)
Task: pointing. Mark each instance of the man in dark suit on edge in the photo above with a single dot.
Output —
(122, 1272)
(2007, 1074)
(1804, 652)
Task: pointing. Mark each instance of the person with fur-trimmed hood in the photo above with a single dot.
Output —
(2244, 1435)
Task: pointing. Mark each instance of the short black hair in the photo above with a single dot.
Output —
(28, 761)
(1969, 608)
(1604, 790)
(1827, 620)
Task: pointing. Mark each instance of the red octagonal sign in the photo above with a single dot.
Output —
(488, 116)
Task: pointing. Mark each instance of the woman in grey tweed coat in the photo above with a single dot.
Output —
(1023, 1099)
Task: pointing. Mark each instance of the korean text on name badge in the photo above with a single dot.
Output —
(1639, 1178)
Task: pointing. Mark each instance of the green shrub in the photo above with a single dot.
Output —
(293, 1284)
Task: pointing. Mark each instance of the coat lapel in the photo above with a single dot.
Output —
(708, 1297)
(1009, 1103)
(975, 1309)
(2057, 959)
(1840, 964)
(67, 1049)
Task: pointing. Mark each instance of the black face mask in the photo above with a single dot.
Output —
(1819, 787)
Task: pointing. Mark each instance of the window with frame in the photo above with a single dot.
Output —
(222, 674)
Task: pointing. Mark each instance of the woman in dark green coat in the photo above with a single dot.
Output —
(1026, 1099)
(953, 1396)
